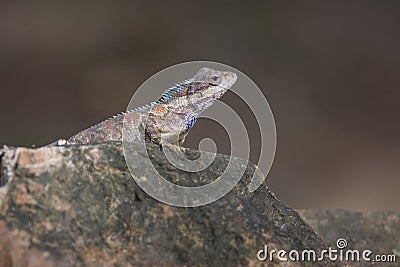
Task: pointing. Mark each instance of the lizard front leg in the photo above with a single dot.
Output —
(173, 141)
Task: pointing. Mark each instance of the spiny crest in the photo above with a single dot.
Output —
(170, 93)
(152, 104)
(174, 91)
(135, 109)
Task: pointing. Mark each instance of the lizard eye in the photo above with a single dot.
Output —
(215, 78)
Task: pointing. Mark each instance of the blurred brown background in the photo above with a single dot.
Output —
(330, 71)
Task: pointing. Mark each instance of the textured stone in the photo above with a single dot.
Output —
(80, 206)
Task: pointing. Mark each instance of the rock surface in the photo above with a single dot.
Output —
(79, 206)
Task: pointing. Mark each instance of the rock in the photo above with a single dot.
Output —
(80, 206)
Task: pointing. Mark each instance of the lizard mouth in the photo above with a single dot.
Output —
(229, 79)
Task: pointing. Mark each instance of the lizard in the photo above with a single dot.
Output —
(165, 121)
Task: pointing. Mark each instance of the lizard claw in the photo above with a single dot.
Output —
(61, 142)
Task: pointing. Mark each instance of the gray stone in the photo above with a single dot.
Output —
(80, 206)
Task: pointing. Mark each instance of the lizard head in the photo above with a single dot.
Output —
(208, 86)
(197, 94)
(210, 83)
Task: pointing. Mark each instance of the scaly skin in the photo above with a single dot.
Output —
(167, 120)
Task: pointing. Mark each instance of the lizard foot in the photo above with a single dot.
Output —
(178, 152)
